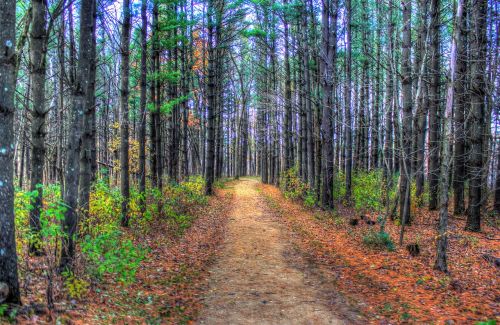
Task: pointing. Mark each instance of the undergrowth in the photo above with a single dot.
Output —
(106, 250)
(295, 189)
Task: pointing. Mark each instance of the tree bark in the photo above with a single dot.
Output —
(210, 156)
(8, 255)
(347, 97)
(389, 99)
(124, 129)
(38, 66)
(460, 100)
(72, 172)
(420, 120)
(434, 101)
(88, 135)
(442, 242)
(404, 203)
(477, 112)
(288, 99)
(142, 105)
(328, 59)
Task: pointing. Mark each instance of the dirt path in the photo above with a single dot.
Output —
(253, 282)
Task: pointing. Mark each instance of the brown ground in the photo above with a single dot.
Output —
(260, 279)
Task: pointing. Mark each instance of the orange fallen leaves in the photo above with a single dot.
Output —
(393, 286)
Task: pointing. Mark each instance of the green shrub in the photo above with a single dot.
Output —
(104, 210)
(110, 253)
(77, 287)
(310, 199)
(378, 240)
(367, 189)
(292, 186)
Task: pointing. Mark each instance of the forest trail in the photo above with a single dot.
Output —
(253, 281)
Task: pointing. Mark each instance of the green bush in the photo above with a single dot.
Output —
(110, 253)
(104, 210)
(292, 186)
(310, 199)
(367, 189)
(105, 248)
(378, 240)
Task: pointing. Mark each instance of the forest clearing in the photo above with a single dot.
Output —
(249, 161)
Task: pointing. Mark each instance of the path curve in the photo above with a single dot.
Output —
(252, 282)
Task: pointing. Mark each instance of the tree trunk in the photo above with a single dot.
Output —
(328, 56)
(124, 129)
(477, 112)
(434, 101)
(88, 135)
(497, 186)
(347, 97)
(419, 122)
(388, 138)
(142, 105)
(404, 203)
(72, 172)
(210, 159)
(442, 242)
(8, 257)
(38, 66)
(288, 100)
(375, 135)
(460, 100)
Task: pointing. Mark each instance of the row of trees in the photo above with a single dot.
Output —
(160, 90)
(407, 87)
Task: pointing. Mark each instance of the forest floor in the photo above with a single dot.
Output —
(169, 284)
(251, 256)
(392, 287)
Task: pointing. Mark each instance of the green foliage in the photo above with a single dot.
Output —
(292, 186)
(3, 309)
(221, 182)
(77, 288)
(367, 190)
(106, 249)
(254, 32)
(110, 253)
(11, 316)
(378, 240)
(51, 216)
(169, 76)
(310, 199)
(488, 322)
(104, 210)
(167, 107)
(180, 198)
(181, 223)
